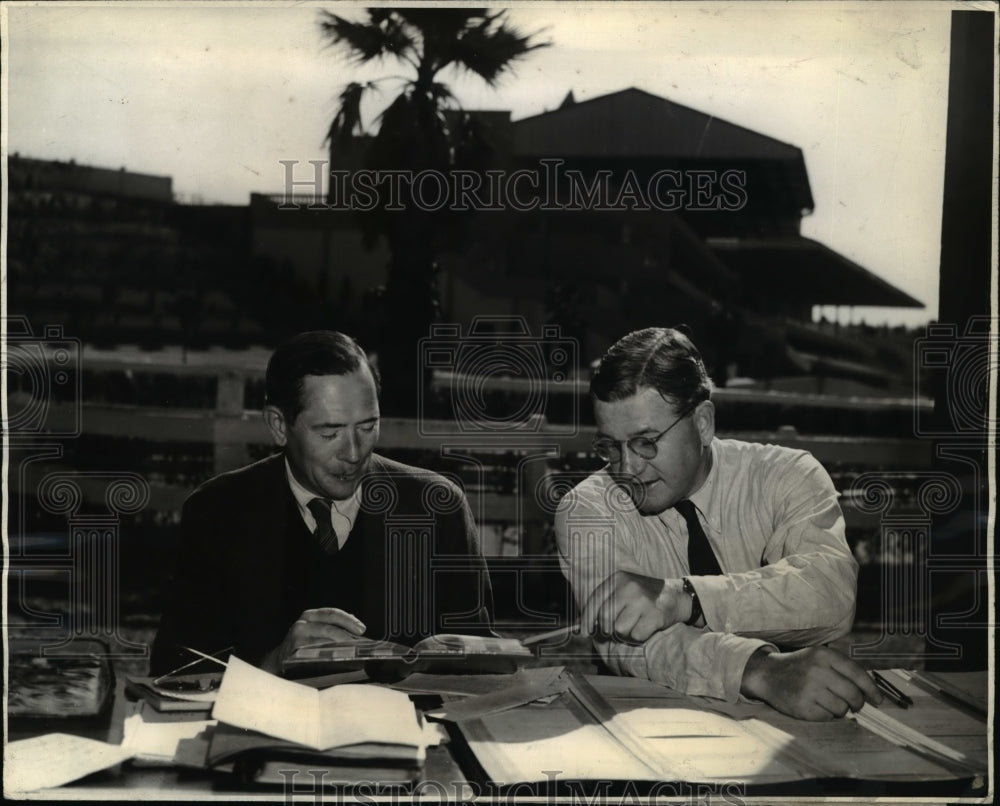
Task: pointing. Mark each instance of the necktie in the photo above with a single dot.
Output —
(701, 558)
(325, 534)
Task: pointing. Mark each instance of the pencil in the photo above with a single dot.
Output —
(891, 691)
(562, 632)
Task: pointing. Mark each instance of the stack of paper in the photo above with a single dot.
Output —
(152, 739)
(357, 732)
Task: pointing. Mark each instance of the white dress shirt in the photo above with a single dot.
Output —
(342, 513)
(772, 517)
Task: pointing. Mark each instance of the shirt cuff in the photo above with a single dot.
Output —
(734, 652)
(712, 594)
(739, 695)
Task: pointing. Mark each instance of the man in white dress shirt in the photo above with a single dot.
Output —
(702, 563)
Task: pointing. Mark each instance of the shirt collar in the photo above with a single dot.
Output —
(348, 507)
(702, 497)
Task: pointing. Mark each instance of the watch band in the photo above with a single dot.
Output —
(696, 611)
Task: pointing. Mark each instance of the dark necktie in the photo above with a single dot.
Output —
(326, 536)
(701, 558)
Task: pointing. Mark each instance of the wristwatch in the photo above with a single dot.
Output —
(696, 611)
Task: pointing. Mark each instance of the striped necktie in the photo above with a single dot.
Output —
(701, 558)
(325, 534)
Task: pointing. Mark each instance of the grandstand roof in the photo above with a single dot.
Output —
(634, 123)
(801, 268)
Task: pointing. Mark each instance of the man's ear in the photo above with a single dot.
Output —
(276, 424)
(704, 421)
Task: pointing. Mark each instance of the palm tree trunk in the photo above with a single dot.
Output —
(411, 306)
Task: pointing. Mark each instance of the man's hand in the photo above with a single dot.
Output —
(815, 683)
(631, 607)
(313, 627)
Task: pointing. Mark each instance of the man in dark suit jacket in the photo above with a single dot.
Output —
(325, 540)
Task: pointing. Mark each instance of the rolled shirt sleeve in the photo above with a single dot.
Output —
(772, 517)
(695, 661)
(804, 592)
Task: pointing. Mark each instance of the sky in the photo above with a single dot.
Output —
(215, 95)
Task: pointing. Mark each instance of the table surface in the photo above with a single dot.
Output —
(450, 773)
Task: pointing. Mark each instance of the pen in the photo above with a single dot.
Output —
(891, 691)
(562, 632)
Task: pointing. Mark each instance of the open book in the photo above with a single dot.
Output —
(441, 653)
(342, 715)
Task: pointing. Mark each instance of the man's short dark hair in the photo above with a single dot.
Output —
(661, 358)
(317, 352)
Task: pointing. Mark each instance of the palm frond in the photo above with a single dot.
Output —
(489, 49)
(348, 117)
(383, 34)
(441, 23)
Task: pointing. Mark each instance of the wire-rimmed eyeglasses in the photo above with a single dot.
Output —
(642, 446)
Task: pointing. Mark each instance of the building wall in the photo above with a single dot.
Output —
(323, 251)
(33, 175)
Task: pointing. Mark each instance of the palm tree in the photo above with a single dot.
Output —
(414, 135)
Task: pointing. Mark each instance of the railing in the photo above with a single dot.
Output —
(236, 434)
(233, 434)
